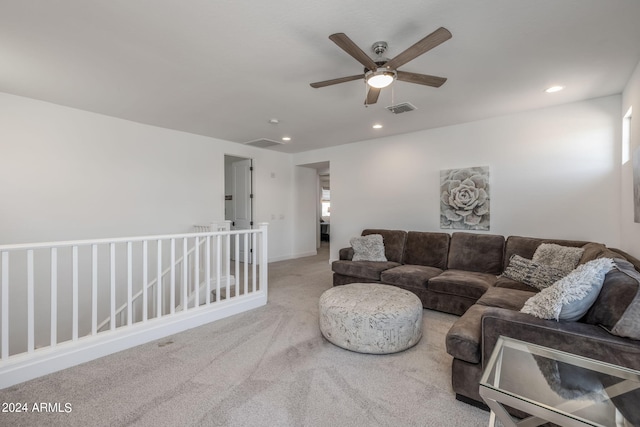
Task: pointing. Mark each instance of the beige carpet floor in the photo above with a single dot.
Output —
(267, 367)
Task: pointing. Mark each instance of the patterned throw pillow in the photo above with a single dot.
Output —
(531, 273)
(563, 257)
(368, 248)
(572, 296)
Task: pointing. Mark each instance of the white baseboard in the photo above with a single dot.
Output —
(65, 355)
(293, 256)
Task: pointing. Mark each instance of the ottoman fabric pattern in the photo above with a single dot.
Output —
(371, 318)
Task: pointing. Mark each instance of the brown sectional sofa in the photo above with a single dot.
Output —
(459, 274)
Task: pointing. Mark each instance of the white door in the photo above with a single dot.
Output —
(242, 202)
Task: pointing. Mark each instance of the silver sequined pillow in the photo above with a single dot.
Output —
(531, 273)
(368, 248)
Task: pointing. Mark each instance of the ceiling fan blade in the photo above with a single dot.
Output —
(439, 36)
(372, 96)
(336, 81)
(421, 79)
(346, 44)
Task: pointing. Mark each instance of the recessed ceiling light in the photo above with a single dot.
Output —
(274, 121)
(377, 126)
(553, 89)
(286, 138)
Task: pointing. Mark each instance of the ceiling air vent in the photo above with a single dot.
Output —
(263, 143)
(401, 108)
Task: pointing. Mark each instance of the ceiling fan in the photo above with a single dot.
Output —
(381, 72)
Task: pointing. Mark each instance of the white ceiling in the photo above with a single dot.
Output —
(223, 68)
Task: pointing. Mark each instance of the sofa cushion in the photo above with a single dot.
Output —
(346, 254)
(571, 297)
(596, 250)
(414, 276)
(629, 324)
(565, 258)
(526, 246)
(505, 282)
(368, 248)
(394, 241)
(512, 299)
(424, 248)
(363, 269)
(462, 283)
(464, 336)
(618, 290)
(531, 273)
(476, 252)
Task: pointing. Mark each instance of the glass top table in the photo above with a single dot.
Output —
(559, 387)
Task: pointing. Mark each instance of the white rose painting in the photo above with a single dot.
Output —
(464, 198)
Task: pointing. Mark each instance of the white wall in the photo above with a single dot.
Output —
(630, 229)
(554, 173)
(68, 174)
(71, 174)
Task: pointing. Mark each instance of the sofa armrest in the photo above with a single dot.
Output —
(346, 254)
(583, 339)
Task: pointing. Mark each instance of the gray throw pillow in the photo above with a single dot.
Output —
(531, 273)
(572, 296)
(368, 248)
(563, 257)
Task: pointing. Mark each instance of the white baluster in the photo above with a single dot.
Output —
(264, 260)
(228, 266)
(159, 282)
(185, 278)
(54, 297)
(207, 272)
(129, 283)
(5, 305)
(94, 289)
(172, 297)
(112, 311)
(254, 260)
(196, 269)
(74, 322)
(237, 263)
(218, 265)
(145, 280)
(247, 253)
(30, 304)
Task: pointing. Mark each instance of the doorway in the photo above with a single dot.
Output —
(321, 189)
(238, 204)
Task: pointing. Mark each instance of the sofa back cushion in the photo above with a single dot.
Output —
(526, 246)
(394, 242)
(481, 253)
(618, 290)
(429, 249)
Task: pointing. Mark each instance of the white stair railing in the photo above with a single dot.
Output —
(53, 295)
(121, 313)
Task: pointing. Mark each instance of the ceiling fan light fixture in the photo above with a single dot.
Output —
(380, 78)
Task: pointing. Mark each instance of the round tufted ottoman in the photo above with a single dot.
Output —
(371, 318)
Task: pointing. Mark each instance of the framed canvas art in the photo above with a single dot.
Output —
(464, 198)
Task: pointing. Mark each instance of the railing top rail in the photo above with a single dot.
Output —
(45, 245)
